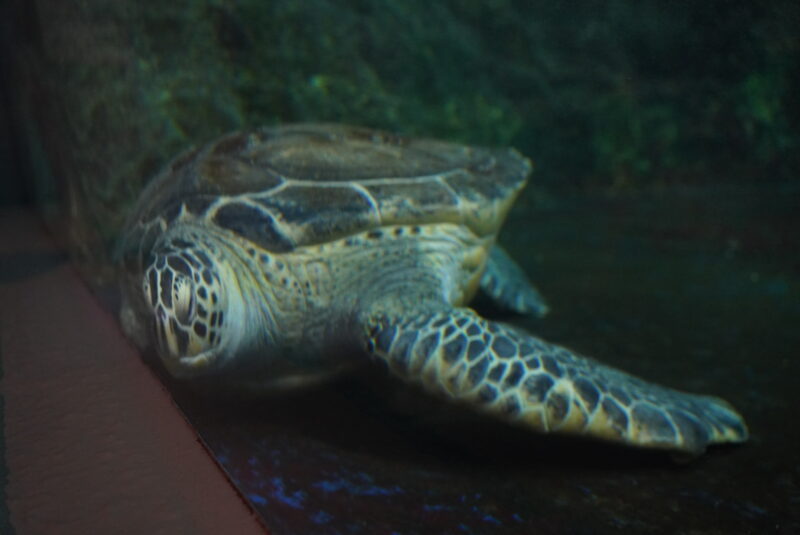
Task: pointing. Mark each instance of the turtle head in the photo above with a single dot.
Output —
(196, 306)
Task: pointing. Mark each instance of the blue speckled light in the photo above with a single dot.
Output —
(294, 499)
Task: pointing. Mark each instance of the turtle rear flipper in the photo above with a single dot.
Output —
(523, 379)
(507, 285)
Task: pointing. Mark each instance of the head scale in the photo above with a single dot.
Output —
(185, 286)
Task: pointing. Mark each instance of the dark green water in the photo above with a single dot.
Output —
(697, 286)
(699, 290)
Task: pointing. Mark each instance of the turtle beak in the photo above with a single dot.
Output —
(193, 365)
(177, 363)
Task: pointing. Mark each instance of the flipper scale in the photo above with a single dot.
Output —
(513, 375)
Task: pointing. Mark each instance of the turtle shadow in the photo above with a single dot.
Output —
(371, 415)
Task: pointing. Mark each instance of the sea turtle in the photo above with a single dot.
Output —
(280, 255)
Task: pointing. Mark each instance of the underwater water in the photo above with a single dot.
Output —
(696, 289)
(661, 224)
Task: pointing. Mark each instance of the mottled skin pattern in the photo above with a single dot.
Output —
(280, 256)
(521, 378)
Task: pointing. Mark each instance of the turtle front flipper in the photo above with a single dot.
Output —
(509, 287)
(523, 379)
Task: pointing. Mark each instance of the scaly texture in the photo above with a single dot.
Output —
(549, 388)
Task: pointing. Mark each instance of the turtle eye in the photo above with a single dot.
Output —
(183, 299)
(150, 286)
(170, 290)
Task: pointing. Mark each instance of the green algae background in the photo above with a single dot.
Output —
(612, 96)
